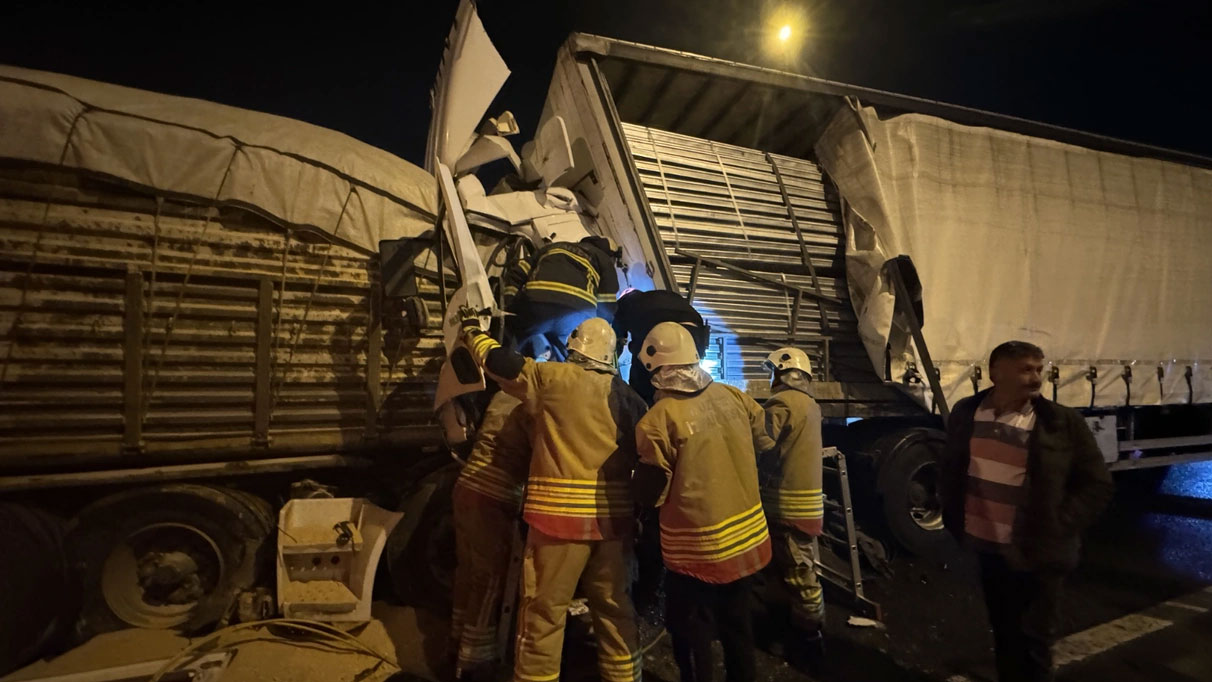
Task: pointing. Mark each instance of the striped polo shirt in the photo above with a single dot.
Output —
(996, 472)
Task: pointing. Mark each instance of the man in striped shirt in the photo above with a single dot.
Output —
(1021, 479)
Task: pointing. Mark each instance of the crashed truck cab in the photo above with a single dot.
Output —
(547, 196)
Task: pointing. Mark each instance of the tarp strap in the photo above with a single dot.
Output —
(33, 259)
(189, 271)
(273, 361)
(149, 312)
(279, 378)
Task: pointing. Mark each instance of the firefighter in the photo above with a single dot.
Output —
(557, 288)
(698, 463)
(487, 499)
(578, 500)
(638, 313)
(791, 491)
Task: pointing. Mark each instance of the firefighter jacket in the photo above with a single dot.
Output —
(496, 469)
(712, 526)
(572, 275)
(791, 472)
(582, 447)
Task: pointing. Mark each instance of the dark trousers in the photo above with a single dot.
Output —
(696, 613)
(1023, 611)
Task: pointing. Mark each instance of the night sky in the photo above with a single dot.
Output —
(1130, 69)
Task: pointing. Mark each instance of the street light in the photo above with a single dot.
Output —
(785, 33)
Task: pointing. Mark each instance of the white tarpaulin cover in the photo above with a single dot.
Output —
(1101, 259)
(295, 173)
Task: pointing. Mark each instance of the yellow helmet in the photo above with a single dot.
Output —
(594, 338)
(788, 358)
(668, 344)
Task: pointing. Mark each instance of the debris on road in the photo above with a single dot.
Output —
(860, 622)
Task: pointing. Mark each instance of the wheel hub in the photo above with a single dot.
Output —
(159, 572)
(924, 505)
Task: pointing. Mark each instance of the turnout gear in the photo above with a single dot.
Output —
(554, 290)
(791, 473)
(698, 463)
(680, 378)
(578, 276)
(487, 496)
(578, 486)
(578, 503)
(794, 563)
(668, 344)
(594, 339)
(791, 480)
(496, 468)
(551, 570)
(700, 449)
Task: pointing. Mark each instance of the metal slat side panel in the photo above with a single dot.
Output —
(724, 202)
(64, 254)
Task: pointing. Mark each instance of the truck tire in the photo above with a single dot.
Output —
(908, 484)
(38, 601)
(420, 553)
(166, 557)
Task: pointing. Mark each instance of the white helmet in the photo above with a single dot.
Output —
(594, 338)
(668, 344)
(788, 358)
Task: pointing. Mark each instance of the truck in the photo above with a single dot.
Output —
(204, 304)
(898, 240)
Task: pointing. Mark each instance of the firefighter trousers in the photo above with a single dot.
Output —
(551, 571)
(483, 539)
(794, 562)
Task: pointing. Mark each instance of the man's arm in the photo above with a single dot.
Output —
(515, 373)
(513, 445)
(657, 456)
(1089, 487)
(608, 286)
(762, 440)
(953, 475)
(777, 417)
(515, 277)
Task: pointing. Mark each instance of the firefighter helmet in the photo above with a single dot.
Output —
(788, 358)
(594, 338)
(669, 343)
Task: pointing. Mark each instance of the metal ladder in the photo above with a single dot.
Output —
(851, 584)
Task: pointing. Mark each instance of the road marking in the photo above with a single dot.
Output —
(1104, 637)
(1183, 605)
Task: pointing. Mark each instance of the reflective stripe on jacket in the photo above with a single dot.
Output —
(576, 276)
(712, 525)
(496, 469)
(582, 450)
(791, 473)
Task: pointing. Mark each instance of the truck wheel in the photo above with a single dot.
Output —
(420, 553)
(38, 601)
(909, 483)
(167, 557)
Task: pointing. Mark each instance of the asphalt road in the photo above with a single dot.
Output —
(1136, 609)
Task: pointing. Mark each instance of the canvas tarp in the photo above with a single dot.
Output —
(1100, 259)
(294, 173)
